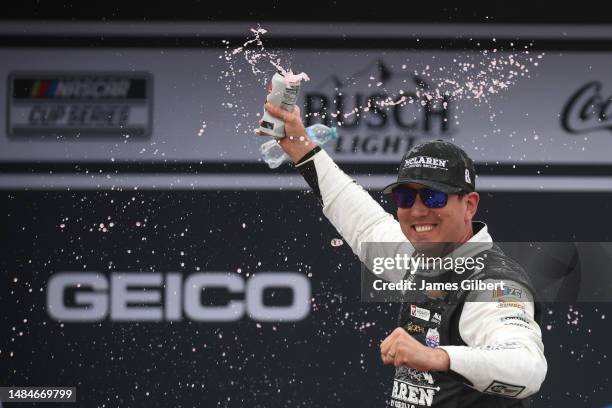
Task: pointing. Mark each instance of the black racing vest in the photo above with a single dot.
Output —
(413, 388)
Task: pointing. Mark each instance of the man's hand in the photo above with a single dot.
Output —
(401, 349)
(296, 141)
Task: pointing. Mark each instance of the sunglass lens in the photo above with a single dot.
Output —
(433, 198)
(404, 197)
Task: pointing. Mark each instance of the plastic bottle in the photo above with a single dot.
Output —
(321, 134)
(274, 155)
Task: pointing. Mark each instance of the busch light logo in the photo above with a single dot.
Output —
(380, 110)
(587, 110)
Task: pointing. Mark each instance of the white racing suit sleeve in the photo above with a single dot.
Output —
(504, 353)
(351, 210)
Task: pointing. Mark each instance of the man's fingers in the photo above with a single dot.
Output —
(395, 343)
(277, 112)
(386, 343)
(398, 357)
(391, 355)
(391, 338)
(387, 355)
(285, 116)
(386, 359)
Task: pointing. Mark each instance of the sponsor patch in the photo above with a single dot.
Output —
(506, 390)
(508, 291)
(520, 318)
(436, 318)
(436, 294)
(420, 312)
(524, 326)
(415, 328)
(426, 161)
(432, 339)
(506, 304)
(503, 346)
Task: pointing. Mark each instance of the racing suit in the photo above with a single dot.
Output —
(494, 344)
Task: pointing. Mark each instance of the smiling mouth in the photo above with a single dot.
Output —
(423, 227)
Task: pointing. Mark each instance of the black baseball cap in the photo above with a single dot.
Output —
(438, 165)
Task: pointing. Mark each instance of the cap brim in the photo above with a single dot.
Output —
(428, 183)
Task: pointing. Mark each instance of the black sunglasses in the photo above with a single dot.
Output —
(405, 197)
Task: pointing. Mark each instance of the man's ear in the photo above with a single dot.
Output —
(473, 199)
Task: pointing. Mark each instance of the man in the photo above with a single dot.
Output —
(452, 348)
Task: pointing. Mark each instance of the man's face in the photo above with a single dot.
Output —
(451, 223)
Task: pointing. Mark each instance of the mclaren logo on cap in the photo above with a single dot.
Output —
(426, 161)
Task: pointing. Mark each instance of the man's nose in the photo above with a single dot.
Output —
(418, 208)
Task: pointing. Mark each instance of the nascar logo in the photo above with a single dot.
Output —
(91, 88)
(507, 291)
(83, 103)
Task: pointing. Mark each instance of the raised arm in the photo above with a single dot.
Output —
(350, 209)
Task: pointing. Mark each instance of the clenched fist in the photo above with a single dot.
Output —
(401, 349)
(296, 143)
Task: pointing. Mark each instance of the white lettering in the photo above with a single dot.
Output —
(88, 296)
(93, 88)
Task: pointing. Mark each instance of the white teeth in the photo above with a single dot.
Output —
(423, 228)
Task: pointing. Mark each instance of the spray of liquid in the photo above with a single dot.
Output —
(249, 62)
(474, 77)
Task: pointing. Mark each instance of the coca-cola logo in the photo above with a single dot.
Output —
(587, 110)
